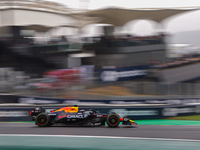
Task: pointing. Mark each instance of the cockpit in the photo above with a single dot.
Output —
(91, 112)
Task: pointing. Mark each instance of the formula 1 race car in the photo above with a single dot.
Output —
(72, 116)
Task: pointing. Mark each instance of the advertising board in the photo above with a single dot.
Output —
(46, 100)
(134, 113)
(123, 73)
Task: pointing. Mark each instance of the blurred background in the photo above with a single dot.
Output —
(90, 51)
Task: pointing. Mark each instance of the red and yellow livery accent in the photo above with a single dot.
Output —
(68, 109)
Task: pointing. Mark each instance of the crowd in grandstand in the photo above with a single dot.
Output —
(185, 59)
(127, 40)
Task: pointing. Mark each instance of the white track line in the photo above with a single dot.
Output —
(108, 137)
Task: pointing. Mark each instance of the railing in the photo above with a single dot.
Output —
(112, 90)
(89, 86)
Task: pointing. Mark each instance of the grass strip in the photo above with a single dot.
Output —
(194, 118)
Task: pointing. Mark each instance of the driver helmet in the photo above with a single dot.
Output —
(91, 112)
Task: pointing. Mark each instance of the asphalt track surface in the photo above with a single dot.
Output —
(142, 131)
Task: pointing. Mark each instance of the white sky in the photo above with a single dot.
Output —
(184, 22)
(94, 4)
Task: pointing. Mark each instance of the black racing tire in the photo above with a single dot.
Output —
(43, 120)
(113, 120)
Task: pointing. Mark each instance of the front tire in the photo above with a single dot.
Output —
(113, 120)
(42, 120)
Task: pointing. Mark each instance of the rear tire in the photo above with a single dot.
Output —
(113, 120)
(42, 120)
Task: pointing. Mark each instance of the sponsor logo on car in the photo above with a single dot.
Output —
(61, 116)
(76, 116)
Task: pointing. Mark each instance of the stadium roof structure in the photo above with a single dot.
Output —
(41, 15)
(35, 5)
(120, 16)
(38, 15)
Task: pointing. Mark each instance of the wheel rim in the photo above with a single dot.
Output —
(42, 120)
(113, 120)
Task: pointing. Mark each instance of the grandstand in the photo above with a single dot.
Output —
(20, 23)
(126, 49)
(28, 17)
